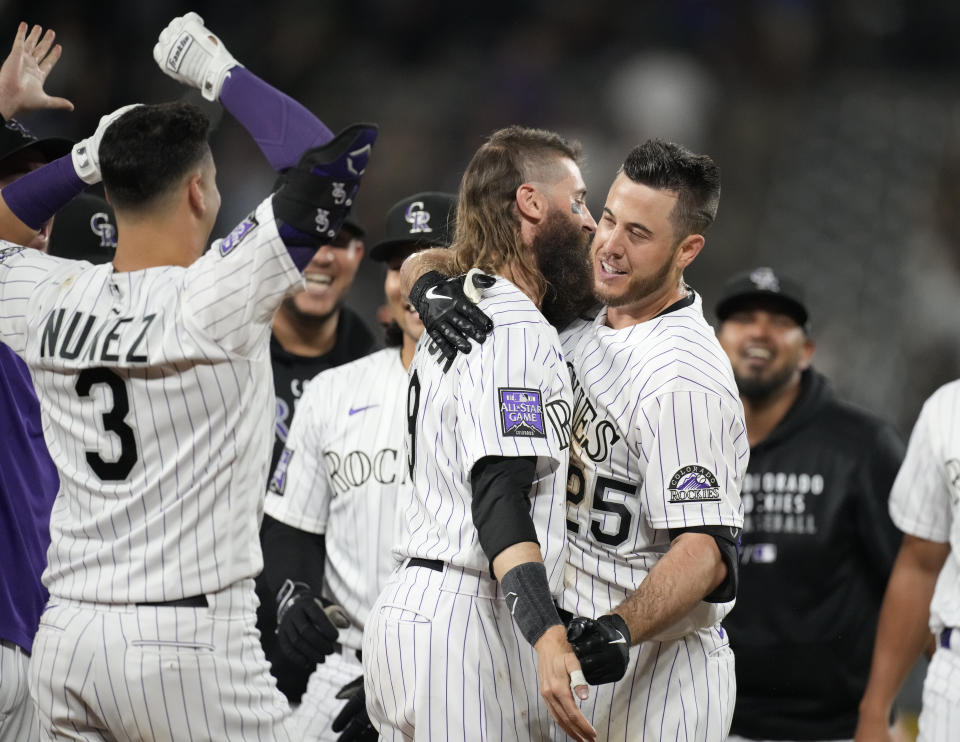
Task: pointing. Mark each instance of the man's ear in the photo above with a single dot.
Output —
(195, 198)
(688, 249)
(531, 202)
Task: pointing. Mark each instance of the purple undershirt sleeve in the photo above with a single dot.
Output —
(40, 194)
(281, 127)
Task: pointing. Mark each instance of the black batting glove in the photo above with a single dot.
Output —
(602, 646)
(448, 315)
(305, 630)
(352, 722)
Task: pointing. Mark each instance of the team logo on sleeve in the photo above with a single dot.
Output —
(236, 236)
(521, 413)
(278, 482)
(8, 251)
(693, 483)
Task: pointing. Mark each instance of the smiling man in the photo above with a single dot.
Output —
(312, 332)
(657, 456)
(818, 542)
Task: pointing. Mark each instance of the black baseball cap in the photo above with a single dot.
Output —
(16, 138)
(763, 285)
(85, 229)
(424, 219)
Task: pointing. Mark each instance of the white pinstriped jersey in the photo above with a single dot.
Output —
(343, 473)
(157, 405)
(658, 442)
(510, 396)
(925, 499)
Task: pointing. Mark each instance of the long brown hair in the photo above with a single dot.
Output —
(487, 234)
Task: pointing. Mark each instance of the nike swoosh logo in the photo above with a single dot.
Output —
(432, 294)
(355, 410)
(621, 640)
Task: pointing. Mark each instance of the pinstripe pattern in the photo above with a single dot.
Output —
(925, 499)
(185, 519)
(344, 474)
(319, 706)
(677, 690)
(459, 423)
(18, 715)
(156, 402)
(160, 674)
(446, 661)
(442, 656)
(650, 400)
(925, 502)
(940, 705)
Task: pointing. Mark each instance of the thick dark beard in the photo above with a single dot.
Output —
(760, 390)
(563, 257)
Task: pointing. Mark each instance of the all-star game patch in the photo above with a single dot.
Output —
(521, 413)
(278, 482)
(694, 483)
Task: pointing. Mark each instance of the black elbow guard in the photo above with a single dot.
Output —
(728, 541)
(501, 502)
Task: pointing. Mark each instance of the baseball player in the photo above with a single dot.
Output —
(28, 478)
(466, 623)
(658, 453)
(334, 498)
(312, 332)
(153, 378)
(923, 594)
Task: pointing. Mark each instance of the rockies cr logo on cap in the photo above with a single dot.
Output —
(765, 279)
(418, 218)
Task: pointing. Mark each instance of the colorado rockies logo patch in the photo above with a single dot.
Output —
(693, 483)
(521, 413)
(236, 236)
(278, 482)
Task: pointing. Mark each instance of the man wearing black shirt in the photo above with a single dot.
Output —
(818, 544)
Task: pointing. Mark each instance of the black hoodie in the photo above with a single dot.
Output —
(818, 547)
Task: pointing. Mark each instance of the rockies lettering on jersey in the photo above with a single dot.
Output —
(658, 442)
(343, 474)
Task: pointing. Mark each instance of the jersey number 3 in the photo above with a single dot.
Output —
(113, 422)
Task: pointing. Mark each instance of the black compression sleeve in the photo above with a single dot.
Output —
(501, 502)
(728, 541)
(289, 553)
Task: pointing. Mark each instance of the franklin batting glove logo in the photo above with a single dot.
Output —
(179, 49)
(418, 218)
(693, 483)
(339, 193)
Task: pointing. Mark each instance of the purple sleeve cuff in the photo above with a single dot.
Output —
(40, 194)
(281, 127)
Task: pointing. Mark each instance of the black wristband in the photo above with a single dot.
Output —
(528, 597)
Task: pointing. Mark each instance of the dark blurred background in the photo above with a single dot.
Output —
(836, 124)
